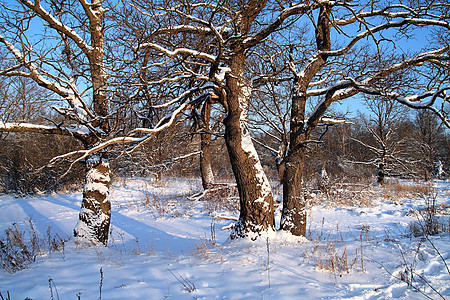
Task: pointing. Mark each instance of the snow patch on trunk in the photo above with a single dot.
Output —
(249, 148)
(221, 76)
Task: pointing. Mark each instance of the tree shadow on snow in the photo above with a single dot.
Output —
(126, 230)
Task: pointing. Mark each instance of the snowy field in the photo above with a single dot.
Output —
(164, 246)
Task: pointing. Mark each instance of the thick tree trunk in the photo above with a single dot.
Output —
(256, 200)
(95, 215)
(380, 174)
(205, 144)
(293, 218)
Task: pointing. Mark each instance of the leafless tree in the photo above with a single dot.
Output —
(427, 138)
(187, 51)
(387, 145)
(60, 46)
(360, 68)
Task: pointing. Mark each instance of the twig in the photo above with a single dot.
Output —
(188, 285)
(50, 281)
(101, 283)
(226, 218)
(8, 297)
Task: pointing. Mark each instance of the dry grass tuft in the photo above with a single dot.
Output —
(342, 194)
(394, 191)
(20, 247)
(330, 252)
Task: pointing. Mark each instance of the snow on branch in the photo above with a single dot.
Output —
(71, 95)
(43, 129)
(183, 96)
(84, 154)
(178, 51)
(173, 160)
(335, 121)
(413, 101)
(350, 87)
(297, 9)
(371, 31)
(181, 29)
(57, 25)
(167, 11)
(387, 12)
(167, 122)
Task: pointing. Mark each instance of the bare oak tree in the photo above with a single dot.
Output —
(359, 69)
(60, 46)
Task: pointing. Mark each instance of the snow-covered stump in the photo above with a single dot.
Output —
(95, 215)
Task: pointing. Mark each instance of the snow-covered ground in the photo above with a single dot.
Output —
(166, 247)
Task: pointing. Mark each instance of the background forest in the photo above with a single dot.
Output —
(411, 144)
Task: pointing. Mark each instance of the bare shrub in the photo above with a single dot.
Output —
(15, 254)
(158, 204)
(340, 193)
(223, 199)
(22, 155)
(428, 221)
(163, 206)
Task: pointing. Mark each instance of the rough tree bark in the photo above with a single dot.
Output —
(293, 217)
(93, 224)
(256, 199)
(95, 215)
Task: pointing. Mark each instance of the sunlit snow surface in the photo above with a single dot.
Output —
(156, 248)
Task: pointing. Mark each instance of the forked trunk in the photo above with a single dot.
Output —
(256, 200)
(293, 218)
(95, 215)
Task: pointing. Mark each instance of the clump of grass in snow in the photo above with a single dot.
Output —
(431, 219)
(395, 191)
(329, 252)
(185, 283)
(20, 246)
(204, 243)
(342, 194)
